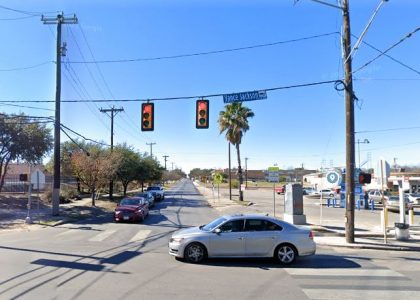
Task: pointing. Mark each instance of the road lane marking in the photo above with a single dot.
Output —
(141, 235)
(101, 236)
(345, 272)
(328, 294)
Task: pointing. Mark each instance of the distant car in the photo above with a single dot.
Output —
(376, 195)
(393, 203)
(148, 196)
(414, 198)
(131, 209)
(308, 191)
(157, 192)
(243, 236)
(280, 189)
(325, 193)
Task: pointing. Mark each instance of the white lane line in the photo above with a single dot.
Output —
(101, 236)
(328, 294)
(345, 272)
(67, 232)
(141, 235)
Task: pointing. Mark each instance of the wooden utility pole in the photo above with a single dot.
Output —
(61, 50)
(113, 112)
(165, 157)
(349, 104)
(151, 149)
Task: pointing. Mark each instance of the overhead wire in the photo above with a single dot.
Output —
(26, 68)
(83, 137)
(25, 106)
(175, 98)
(202, 53)
(387, 50)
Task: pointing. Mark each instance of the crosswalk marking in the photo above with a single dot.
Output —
(67, 232)
(101, 236)
(348, 294)
(345, 272)
(141, 235)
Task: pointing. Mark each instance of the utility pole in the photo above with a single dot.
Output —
(59, 20)
(165, 157)
(172, 165)
(349, 104)
(246, 172)
(113, 112)
(151, 149)
(230, 177)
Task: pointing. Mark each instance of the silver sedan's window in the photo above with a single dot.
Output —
(261, 225)
(233, 226)
(213, 224)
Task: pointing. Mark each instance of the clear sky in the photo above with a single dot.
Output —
(290, 128)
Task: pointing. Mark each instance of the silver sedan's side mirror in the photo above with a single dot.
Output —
(217, 230)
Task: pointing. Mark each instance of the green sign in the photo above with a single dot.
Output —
(273, 169)
(218, 178)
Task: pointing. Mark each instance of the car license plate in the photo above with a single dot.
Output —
(126, 217)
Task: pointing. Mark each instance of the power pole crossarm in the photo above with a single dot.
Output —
(59, 20)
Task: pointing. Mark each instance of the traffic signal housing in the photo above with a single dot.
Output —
(365, 178)
(147, 117)
(202, 114)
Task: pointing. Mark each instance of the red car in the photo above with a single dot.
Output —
(131, 209)
(280, 189)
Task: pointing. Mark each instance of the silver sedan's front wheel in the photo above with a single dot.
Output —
(195, 253)
(286, 254)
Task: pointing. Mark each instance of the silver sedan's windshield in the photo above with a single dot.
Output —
(213, 224)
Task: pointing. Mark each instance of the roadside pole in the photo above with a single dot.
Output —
(384, 208)
(274, 198)
(28, 219)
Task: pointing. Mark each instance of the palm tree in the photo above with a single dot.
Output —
(234, 120)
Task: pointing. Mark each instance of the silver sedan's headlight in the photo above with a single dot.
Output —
(176, 240)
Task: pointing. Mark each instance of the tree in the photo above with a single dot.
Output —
(129, 164)
(23, 138)
(234, 121)
(95, 166)
(149, 170)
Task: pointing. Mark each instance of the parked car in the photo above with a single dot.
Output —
(280, 189)
(131, 209)
(393, 203)
(414, 198)
(157, 192)
(376, 195)
(243, 236)
(148, 196)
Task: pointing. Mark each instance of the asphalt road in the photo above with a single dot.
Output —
(98, 259)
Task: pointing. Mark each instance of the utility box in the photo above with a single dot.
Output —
(293, 204)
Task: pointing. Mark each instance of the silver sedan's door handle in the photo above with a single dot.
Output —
(240, 238)
(273, 237)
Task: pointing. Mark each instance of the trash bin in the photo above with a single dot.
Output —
(402, 231)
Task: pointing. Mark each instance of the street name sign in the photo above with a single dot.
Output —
(245, 96)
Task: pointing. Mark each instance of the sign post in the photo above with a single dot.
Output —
(274, 176)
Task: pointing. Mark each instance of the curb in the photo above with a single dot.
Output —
(371, 247)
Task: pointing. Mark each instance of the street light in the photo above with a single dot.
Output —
(365, 141)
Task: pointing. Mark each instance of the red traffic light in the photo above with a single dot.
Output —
(365, 178)
(202, 114)
(147, 117)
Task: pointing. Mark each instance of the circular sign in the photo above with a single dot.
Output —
(333, 178)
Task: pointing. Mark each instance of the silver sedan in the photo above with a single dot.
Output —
(243, 236)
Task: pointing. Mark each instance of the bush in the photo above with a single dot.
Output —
(235, 183)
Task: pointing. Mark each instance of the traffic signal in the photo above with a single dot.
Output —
(147, 117)
(202, 114)
(365, 178)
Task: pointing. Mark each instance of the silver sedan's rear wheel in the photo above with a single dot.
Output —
(286, 254)
(195, 253)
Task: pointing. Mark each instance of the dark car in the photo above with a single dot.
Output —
(148, 196)
(157, 192)
(131, 209)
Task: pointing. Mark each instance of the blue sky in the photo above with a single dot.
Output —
(292, 127)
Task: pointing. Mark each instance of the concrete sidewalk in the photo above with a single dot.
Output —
(368, 235)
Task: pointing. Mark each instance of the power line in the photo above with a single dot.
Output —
(24, 106)
(389, 129)
(83, 137)
(30, 13)
(337, 81)
(202, 53)
(26, 68)
(15, 19)
(387, 50)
